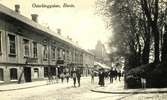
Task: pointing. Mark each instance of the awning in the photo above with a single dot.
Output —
(102, 65)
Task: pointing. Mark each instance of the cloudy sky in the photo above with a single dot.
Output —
(79, 22)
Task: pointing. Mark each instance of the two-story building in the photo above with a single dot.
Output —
(30, 52)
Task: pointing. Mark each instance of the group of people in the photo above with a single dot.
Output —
(102, 74)
(75, 74)
(64, 75)
(113, 74)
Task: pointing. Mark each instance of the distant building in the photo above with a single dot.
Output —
(100, 50)
(101, 54)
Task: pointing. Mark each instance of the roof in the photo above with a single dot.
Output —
(102, 65)
(27, 21)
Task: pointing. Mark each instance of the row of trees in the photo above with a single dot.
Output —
(139, 30)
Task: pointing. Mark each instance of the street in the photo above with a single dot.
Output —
(56, 92)
(68, 92)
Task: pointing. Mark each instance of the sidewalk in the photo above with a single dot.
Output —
(118, 88)
(15, 86)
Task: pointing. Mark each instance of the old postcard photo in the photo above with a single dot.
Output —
(83, 49)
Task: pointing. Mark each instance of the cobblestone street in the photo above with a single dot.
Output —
(68, 92)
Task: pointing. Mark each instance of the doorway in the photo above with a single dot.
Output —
(27, 74)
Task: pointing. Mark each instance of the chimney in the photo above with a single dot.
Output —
(59, 31)
(34, 17)
(17, 8)
(68, 37)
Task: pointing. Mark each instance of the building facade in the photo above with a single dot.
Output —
(30, 52)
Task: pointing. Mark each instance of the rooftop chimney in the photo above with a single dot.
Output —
(76, 42)
(59, 31)
(17, 8)
(34, 17)
(68, 37)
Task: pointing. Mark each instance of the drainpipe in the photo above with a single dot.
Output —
(49, 58)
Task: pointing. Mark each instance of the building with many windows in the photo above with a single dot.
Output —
(30, 52)
(101, 55)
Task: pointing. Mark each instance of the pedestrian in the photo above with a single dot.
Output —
(67, 76)
(57, 76)
(78, 73)
(92, 76)
(105, 74)
(74, 76)
(115, 74)
(101, 77)
(123, 73)
(111, 75)
(143, 82)
(50, 78)
(119, 75)
(62, 77)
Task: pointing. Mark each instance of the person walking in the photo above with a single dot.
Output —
(50, 79)
(115, 74)
(57, 76)
(119, 75)
(74, 76)
(62, 77)
(101, 77)
(78, 73)
(92, 76)
(111, 75)
(67, 76)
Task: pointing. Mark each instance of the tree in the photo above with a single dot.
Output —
(127, 23)
(137, 24)
(151, 10)
(139, 31)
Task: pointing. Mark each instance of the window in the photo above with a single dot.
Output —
(13, 74)
(35, 54)
(36, 73)
(12, 44)
(1, 74)
(26, 47)
(64, 54)
(45, 52)
(68, 56)
(53, 53)
(72, 56)
(58, 53)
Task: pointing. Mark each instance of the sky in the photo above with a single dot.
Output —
(81, 22)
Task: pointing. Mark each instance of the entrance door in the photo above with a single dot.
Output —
(27, 74)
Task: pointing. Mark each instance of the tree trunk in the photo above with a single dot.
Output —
(164, 47)
(146, 49)
(156, 42)
(153, 24)
(146, 52)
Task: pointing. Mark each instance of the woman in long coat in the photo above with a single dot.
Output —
(101, 77)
